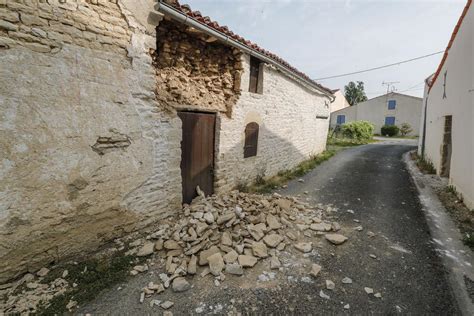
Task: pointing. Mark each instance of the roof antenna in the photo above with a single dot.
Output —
(390, 86)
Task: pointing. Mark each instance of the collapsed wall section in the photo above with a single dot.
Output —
(195, 71)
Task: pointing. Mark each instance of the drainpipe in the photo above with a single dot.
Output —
(185, 19)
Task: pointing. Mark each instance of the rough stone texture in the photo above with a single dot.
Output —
(180, 285)
(194, 72)
(289, 131)
(336, 239)
(73, 76)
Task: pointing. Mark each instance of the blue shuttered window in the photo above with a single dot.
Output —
(392, 104)
(390, 120)
(341, 119)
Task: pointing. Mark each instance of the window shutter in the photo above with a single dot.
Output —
(254, 70)
(251, 140)
(392, 104)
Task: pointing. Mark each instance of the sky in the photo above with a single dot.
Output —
(330, 37)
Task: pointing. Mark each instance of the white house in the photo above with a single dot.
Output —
(389, 109)
(447, 130)
(340, 101)
(113, 112)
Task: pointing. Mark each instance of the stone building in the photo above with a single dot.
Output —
(113, 111)
(388, 109)
(446, 129)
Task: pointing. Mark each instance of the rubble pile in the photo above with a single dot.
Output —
(227, 234)
(218, 236)
(29, 292)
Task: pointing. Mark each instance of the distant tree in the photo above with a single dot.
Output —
(355, 93)
(405, 129)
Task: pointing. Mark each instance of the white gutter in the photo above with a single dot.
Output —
(185, 19)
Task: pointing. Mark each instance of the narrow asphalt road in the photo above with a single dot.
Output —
(370, 187)
(373, 183)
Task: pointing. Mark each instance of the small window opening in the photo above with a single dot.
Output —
(255, 83)
(392, 104)
(390, 120)
(341, 119)
(251, 140)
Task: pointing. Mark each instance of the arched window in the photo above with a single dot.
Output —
(251, 140)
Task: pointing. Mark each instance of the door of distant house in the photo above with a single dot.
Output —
(197, 153)
(446, 147)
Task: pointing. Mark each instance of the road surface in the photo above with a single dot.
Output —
(371, 187)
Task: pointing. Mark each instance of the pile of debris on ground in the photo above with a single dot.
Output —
(226, 234)
(25, 295)
(218, 236)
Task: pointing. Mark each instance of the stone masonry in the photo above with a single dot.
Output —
(86, 152)
(195, 71)
(293, 121)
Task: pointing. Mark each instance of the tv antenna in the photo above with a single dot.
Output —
(390, 86)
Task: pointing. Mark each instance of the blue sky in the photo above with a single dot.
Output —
(329, 37)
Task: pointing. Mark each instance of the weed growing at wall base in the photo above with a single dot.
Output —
(267, 185)
(91, 278)
(424, 165)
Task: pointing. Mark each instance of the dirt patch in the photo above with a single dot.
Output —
(463, 217)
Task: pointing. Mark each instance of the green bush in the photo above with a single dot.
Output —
(359, 130)
(389, 130)
(405, 129)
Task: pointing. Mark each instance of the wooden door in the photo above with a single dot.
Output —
(446, 147)
(197, 153)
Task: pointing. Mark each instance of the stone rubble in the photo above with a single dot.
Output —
(315, 269)
(323, 295)
(335, 239)
(330, 285)
(229, 233)
(347, 280)
(218, 236)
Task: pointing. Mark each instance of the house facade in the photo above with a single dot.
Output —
(389, 109)
(113, 112)
(447, 132)
(340, 101)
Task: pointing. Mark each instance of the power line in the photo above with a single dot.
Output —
(380, 67)
(411, 88)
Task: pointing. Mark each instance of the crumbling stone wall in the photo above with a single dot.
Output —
(194, 70)
(86, 151)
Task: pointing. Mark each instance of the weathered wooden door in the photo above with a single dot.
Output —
(446, 147)
(197, 153)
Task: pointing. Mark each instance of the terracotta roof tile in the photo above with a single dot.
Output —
(186, 9)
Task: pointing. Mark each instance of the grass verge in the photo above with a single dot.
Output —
(267, 185)
(347, 142)
(91, 278)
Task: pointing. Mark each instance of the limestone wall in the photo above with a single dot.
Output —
(290, 130)
(86, 152)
